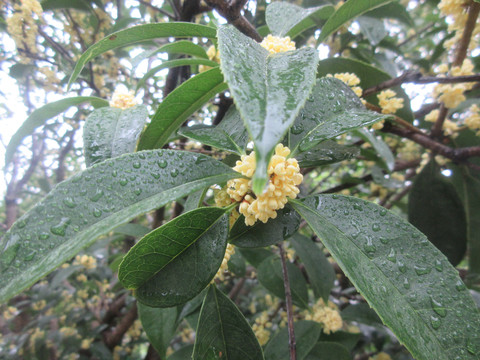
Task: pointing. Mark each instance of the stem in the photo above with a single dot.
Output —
(288, 298)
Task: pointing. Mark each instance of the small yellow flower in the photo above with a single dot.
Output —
(224, 266)
(86, 344)
(276, 44)
(388, 102)
(122, 100)
(351, 80)
(87, 261)
(328, 315)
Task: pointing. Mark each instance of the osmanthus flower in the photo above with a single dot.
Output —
(351, 80)
(275, 44)
(284, 178)
(122, 99)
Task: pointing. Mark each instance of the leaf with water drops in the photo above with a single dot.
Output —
(229, 135)
(175, 262)
(110, 132)
(179, 105)
(223, 332)
(94, 202)
(403, 277)
(269, 90)
(285, 19)
(331, 110)
(327, 152)
(140, 33)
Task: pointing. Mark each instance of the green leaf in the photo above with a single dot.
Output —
(229, 135)
(254, 256)
(436, 210)
(271, 277)
(369, 76)
(65, 4)
(403, 277)
(347, 12)
(182, 354)
(269, 90)
(194, 200)
(179, 105)
(260, 235)
(382, 149)
(288, 19)
(38, 117)
(141, 33)
(173, 63)
(472, 208)
(373, 29)
(130, 229)
(327, 152)
(347, 339)
(110, 132)
(183, 47)
(223, 332)
(306, 335)
(329, 351)
(332, 110)
(159, 326)
(95, 202)
(320, 272)
(176, 261)
(393, 10)
(361, 313)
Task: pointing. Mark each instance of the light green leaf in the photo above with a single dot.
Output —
(38, 117)
(223, 332)
(183, 47)
(269, 90)
(65, 4)
(95, 202)
(327, 152)
(347, 12)
(382, 149)
(288, 19)
(110, 132)
(179, 105)
(229, 135)
(173, 63)
(332, 109)
(159, 326)
(175, 262)
(306, 335)
(361, 313)
(130, 229)
(329, 351)
(269, 274)
(264, 234)
(373, 29)
(403, 277)
(140, 33)
(320, 272)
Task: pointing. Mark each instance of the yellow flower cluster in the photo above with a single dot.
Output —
(87, 261)
(260, 328)
(86, 343)
(10, 313)
(388, 102)
(472, 121)
(456, 11)
(224, 266)
(450, 127)
(214, 55)
(381, 356)
(39, 305)
(122, 100)
(68, 331)
(351, 80)
(328, 315)
(275, 44)
(222, 199)
(452, 95)
(36, 335)
(284, 178)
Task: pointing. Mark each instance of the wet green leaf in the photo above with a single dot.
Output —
(361, 313)
(329, 351)
(254, 256)
(320, 272)
(110, 132)
(373, 29)
(348, 11)
(269, 274)
(38, 117)
(289, 19)
(269, 90)
(179, 105)
(393, 10)
(65, 4)
(331, 110)
(327, 152)
(182, 354)
(381, 148)
(95, 202)
(223, 332)
(140, 33)
(346, 339)
(403, 277)
(175, 262)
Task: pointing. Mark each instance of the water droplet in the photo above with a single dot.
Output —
(114, 173)
(68, 201)
(162, 164)
(438, 265)
(174, 172)
(376, 227)
(97, 196)
(357, 206)
(136, 165)
(438, 307)
(61, 227)
(383, 212)
(406, 284)
(21, 224)
(123, 182)
(369, 247)
(44, 236)
(297, 129)
(137, 191)
(97, 213)
(402, 267)
(436, 322)
(422, 270)
(156, 176)
(30, 256)
(384, 240)
(460, 286)
(392, 255)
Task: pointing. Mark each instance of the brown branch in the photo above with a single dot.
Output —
(396, 118)
(236, 289)
(115, 337)
(231, 12)
(288, 297)
(398, 197)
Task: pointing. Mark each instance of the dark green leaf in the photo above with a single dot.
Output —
(347, 339)
(173, 63)
(173, 263)
(393, 10)
(331, 110)
(237, 265)
(404, 278)
(179, 105)
(183, 47)
(369, 76)
(38, 117)
(348, 11)
(269, 90)
(260, 235)
(159, 326)
(95, 202)
(135, 230)
(182, 354)
(306, 335)
(373, 29)
(223, 332)
(361, 313)
(194, 200)
(110, 132)
(65, 4)
(271, 277)
(329, 351)
(320, 272)
(141, 33)
(288, 19)
(472, 207)
(382, 149)
(254, 256)
(327, 152)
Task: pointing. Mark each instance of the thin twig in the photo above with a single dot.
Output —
(288, 297)
(156, 8)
